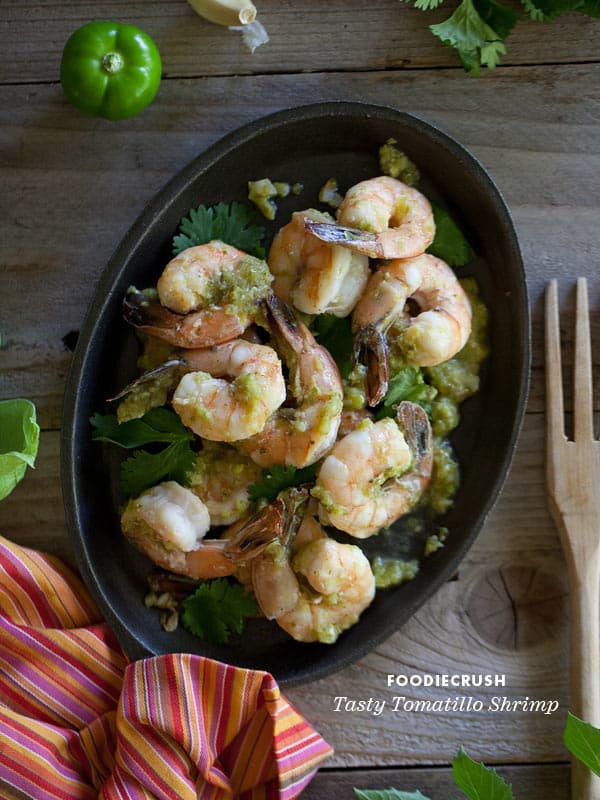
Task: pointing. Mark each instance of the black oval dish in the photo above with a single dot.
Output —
(309, 144)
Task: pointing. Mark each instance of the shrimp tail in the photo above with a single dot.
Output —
(371, 349)
(414, 422)
(283, 323)
(277, 521)
(145, 377)
(196, 329)
(355, 239)
(147, 314)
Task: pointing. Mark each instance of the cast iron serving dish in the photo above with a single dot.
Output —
(308, 144)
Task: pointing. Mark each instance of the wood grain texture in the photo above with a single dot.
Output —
(304, 37)
(537, 130)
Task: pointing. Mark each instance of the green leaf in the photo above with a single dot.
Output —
(157, 425)
(335, 334)
(589, 7)
(388, 794)
(544, 10)
(277, 478)
(450, 243)
(477, 781)
(216, 609)
(143, 470)
(233, 224)
(466, 31)
(500, 18)
(583, 741)
(407, 384)
(19, 441)
(428, 5)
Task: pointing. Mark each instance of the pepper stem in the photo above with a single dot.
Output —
(112, 62)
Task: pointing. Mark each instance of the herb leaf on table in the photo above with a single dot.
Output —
(477, 29)
(583, 741)
(477, 781)
(19, 441)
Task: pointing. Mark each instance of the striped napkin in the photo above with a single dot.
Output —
(79, 721)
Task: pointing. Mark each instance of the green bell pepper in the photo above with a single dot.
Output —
(110, 69)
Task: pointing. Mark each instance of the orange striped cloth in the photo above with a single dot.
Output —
(79, 721)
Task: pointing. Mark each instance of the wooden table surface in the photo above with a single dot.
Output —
(70, 187)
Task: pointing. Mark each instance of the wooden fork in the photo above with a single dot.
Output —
(573, 481)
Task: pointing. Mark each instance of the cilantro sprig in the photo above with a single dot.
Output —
(277, 478)
(477, 782)
(216, 609)
(145, 469)
(232, 223)
(477, 29)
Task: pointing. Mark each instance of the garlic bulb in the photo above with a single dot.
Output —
(225, 12)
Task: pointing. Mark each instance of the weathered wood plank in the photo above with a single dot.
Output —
(64, 212)
(504, 613)
(378, 35)
(534, 782)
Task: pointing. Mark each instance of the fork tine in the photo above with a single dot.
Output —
(583, 410)
(554, 391)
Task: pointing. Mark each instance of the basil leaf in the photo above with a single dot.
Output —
(583, 741)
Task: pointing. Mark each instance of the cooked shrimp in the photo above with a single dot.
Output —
(301, 434)
(377, 473)
(235, 389)
(221, 478)
(168, 524)
(351, 419)
(437, 332)
(313, 587)
(313, 276)
(208, 294)
(382, 218)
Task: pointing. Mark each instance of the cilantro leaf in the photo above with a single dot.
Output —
(277, 478)
(143, 470)
(157, 425)
(544, 10)
(407, 384)
(335, 334)
(449, 243)
(19, 441)
(589, 7)
(583, 741)
(477, 781)
(428, 5)
(232, 224)
(216, 609)
(388, 794)
(500, 18)
(478, 44)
